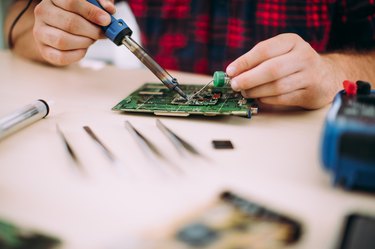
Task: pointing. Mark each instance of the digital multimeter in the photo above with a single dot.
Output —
(348, 144)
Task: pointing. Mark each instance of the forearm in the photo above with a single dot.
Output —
(22, 36)
(353, 66)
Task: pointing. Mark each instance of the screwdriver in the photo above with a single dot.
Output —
(120, 34)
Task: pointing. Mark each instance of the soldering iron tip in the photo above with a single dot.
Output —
(180, 92)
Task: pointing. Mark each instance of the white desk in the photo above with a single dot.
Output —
(275, 161)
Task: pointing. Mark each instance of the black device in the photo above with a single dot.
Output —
(359, 232)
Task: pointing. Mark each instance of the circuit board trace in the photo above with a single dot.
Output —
(156, 98)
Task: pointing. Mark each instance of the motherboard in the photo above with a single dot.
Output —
(213, 101)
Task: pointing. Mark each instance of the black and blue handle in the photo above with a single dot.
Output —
(117, 29)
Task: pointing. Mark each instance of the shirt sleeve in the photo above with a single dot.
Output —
(354, 25)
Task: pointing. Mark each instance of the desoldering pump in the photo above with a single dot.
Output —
(119, 32)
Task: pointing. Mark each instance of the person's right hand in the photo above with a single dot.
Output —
(64, 29)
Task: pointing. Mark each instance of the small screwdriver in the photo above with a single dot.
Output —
(120, 33)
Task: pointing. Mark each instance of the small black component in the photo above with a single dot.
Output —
(222, 144)
(358, 232)
(363, 87)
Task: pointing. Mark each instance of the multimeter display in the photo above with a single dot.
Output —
(361, 108)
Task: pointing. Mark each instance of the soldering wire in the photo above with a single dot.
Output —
(196, 93)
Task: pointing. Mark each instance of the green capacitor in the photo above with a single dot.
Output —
(220, 79)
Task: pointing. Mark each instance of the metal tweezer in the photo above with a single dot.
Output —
(144, 143)
(68, 146)
(106, 151)
(177, 141)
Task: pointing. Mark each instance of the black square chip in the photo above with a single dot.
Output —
(222, 144)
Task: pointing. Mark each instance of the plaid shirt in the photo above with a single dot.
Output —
(204, 36)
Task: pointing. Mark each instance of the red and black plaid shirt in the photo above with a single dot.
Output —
(204, 36)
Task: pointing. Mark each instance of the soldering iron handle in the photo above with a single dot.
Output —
(117, 29)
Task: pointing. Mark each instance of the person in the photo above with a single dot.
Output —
(285, 53)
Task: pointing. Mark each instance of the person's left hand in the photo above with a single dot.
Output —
(285, 70)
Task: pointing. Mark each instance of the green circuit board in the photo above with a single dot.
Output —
(13, 237)
(157, 99)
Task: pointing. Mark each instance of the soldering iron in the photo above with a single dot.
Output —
(120, 33)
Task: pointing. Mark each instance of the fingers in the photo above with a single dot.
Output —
(295, 98)
(61, 58)
(279, 87)
(308, 98)
(61, 40)
(60, 48)
(86, 10)
(108, 5)
(284, 70)
(64, 29)
(66, 21)
(263, 51)
(268, 71)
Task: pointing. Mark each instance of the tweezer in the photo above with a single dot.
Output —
(177, 141)
(68, 146)
(106, 151)
(144, 143)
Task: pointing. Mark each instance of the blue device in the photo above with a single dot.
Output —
(348, 143)
(116, 30)
(119, 32)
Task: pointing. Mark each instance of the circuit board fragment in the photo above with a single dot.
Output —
(156, 98)
(203, 99)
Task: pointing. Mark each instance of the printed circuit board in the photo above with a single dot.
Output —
(157, 99)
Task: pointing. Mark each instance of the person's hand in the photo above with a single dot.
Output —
(286, 71)
(64, 29)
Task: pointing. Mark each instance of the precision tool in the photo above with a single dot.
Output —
(68, 146)
(119, 32)
(146, 145)
(177, 141)
(104, 148)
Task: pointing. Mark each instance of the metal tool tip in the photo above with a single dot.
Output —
(180, 92)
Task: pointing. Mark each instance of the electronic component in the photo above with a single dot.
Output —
(220, 79)
(348, 143)
(358, 232)
(234, 222)
(11, 237)
(222, 144)
(203, 99)
(213, 101)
